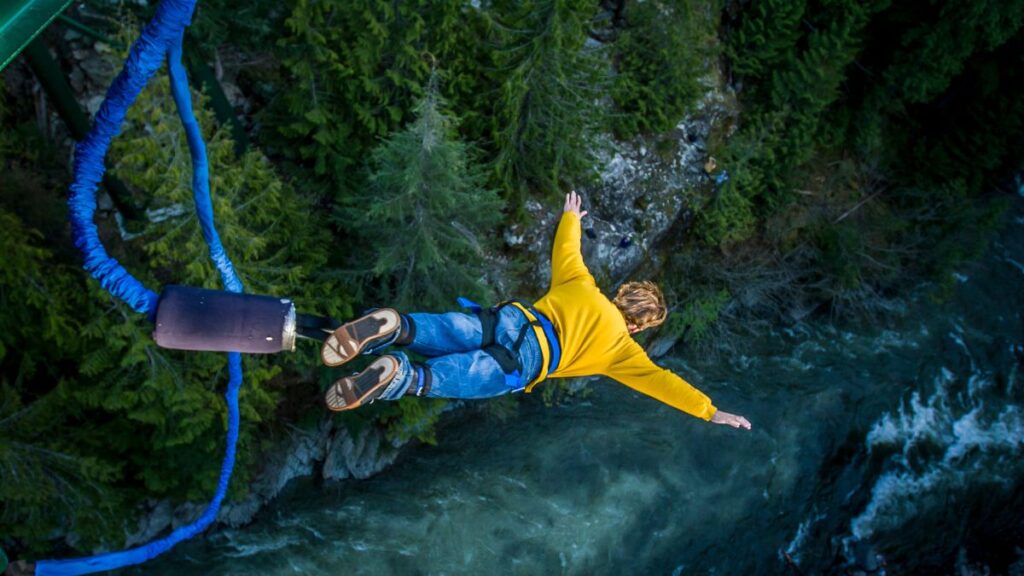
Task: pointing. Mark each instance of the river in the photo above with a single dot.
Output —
(893, 449)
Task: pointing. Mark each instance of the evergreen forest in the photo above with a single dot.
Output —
(378, 153)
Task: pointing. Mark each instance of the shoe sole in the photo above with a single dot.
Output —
(353, 337)
(353, 391)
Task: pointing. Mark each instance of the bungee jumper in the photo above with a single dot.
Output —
(574, 330)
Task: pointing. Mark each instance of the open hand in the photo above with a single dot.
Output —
(573, 202)
(733, 420)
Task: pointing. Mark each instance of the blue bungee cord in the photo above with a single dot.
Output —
(161, 39)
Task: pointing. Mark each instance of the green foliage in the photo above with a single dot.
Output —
(793, 85)
(870, 135)
(660, 57)
(936, 46)
(806, 88)
(694, 322)
(726, 218)
(839, 247)
(45, 477)
(411, 418)
(426, 217)
(765, 37)
(94, 415)
(278, 248)
(503, 408)
(521, 76)
(547, 110)
(44, 480)
(268, 228)
(34, 178)
(895, 90)
(250, 26)
(19, 141)
(355, 69)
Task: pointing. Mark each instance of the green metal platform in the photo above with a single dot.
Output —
(23, 20)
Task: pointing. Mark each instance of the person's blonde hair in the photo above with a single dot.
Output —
(641, 303)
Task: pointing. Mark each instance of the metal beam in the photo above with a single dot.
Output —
(21, 21)
(63, 100)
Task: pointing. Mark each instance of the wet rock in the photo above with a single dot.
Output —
(77, 80)
(360, 457)
(151, 524)
(92, 105)
(661, 345)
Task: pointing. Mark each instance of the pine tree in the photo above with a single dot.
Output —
(426, 217)
(796, 77)
(355, 68)
(45, 477)
(807, 87)
(766, 36)
(660, 57)
(548, 108)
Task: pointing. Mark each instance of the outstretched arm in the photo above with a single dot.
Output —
(639, 373)
(566, 258)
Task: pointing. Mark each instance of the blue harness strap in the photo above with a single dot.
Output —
(553, 346)
(160, 40)
(508, 359)
(469, 304)
(515, 381)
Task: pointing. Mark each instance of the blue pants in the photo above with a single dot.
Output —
(458, 368)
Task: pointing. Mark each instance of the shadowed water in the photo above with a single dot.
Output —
(898, 445)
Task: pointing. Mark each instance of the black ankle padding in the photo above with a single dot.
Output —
(406, 336)
(427, 379)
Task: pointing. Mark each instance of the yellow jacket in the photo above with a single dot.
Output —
(593, 335)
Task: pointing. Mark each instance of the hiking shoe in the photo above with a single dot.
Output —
(378, 327)
(363, 387)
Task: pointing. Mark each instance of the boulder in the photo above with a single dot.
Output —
(359, 457)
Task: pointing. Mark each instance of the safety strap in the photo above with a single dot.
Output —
(423, 379)
(551, 350)
(533, 316)
(315, 327)
(508, 359)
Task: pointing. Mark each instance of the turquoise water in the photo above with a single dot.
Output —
(895, 449)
